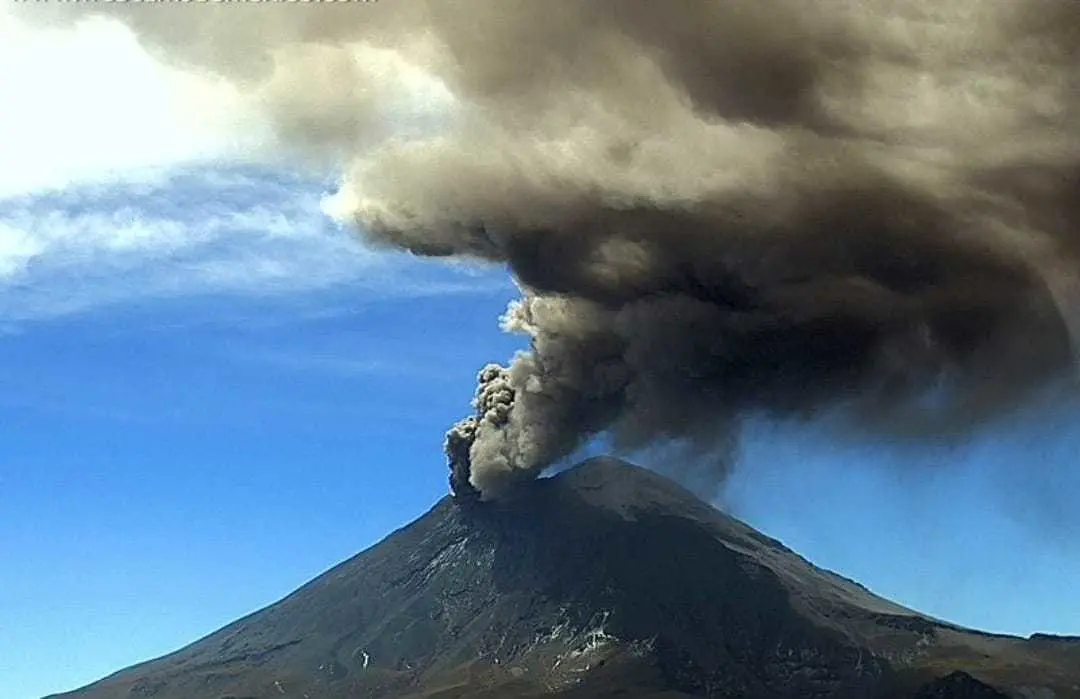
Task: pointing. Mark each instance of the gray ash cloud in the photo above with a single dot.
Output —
(714, 209)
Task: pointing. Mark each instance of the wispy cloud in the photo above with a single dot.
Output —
(110, 193)
(191, 231)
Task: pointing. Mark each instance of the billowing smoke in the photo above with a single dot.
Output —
(715, 209)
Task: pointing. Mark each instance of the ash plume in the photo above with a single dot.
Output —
(714, 209)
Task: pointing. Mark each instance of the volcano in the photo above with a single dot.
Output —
(606, 580)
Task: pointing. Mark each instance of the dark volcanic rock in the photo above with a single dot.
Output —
(959, 685)
(1054, 638)
(606, 580)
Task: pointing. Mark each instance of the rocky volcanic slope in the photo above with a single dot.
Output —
(604, 581)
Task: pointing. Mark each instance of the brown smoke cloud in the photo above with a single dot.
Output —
(714, 209)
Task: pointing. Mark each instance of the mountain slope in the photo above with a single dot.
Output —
(606, 580)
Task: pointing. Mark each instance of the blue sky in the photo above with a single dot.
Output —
(210, 393)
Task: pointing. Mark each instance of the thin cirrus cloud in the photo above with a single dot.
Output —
(196, 230)
(114, 188)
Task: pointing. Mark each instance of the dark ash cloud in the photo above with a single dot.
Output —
(728, 207)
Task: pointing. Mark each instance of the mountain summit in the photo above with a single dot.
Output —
(606, 580)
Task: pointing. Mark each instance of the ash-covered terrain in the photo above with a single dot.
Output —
(606, 580)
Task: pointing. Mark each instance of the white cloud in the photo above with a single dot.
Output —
(17, 248)
(65, 120)
(194, 231)
(86, 102)
(114, 189)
